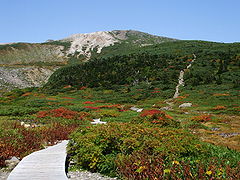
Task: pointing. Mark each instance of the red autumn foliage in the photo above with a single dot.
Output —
(60, 112)
(91, 107)
(25, 141)
(68, 98)
(82, 88)
(151, 112)
(156, 92)
(158, 117)
(89, 102)
(57, 132)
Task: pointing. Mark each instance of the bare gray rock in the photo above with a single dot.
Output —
(136, 109)
(4, 174)
(22, 77)
(11, 163)
(184, 105)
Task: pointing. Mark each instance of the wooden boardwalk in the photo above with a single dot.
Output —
(46, 164)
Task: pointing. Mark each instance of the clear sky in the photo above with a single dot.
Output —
(39, 20)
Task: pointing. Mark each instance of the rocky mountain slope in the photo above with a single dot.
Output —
(85, 44)
(31, 64)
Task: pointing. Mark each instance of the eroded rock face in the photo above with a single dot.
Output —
(22, 77)
(85, 43)
(32, 53)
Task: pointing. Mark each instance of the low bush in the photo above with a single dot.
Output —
(156, 117)
(109, 113)
(195, 125)
(8, 110)
(16, 140)
(63, 113)
(106, 148)
(202, 118)
(140, 165)
(219, 107)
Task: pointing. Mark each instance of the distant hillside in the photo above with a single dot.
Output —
(215, 63)
(44, 58)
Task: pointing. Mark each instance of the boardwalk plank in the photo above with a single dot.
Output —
(46, 164)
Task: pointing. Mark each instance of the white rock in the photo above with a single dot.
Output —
(101, 122)
(184, 105)
(14, 159)
(98, 121)
(166, 108)
(139, 110)
(11, 163)
(27, 125)
(136, 109)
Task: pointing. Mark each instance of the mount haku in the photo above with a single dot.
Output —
(31, 64)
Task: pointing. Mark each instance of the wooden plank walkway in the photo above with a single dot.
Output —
(46, 164)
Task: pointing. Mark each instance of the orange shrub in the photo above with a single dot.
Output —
(202, 118)
(219, 108)
(60, 112)
(68, 86)
(157, 117)
(27, 94)
(221, 94)
(68, 98)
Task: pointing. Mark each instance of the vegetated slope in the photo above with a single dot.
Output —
(44, 58)
(216, 63)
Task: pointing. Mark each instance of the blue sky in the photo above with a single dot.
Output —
(39, 20)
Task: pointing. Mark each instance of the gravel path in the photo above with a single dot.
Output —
(4, 175)
(180, 78)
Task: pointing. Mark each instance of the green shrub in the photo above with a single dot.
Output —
(96, 148)
(16, 110)
(109, 113)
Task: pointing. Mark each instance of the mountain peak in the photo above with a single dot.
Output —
(85, 43)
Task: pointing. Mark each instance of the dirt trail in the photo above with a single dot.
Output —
(180, 78)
